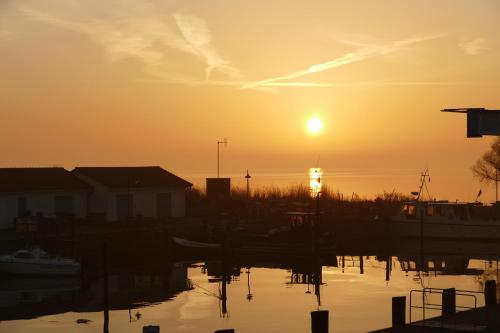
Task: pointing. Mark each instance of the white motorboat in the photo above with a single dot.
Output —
(37, 262)
(446, 220)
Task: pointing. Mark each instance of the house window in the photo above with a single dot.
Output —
(64, 204)
(124, 204)
(163, 205)
(22, 207)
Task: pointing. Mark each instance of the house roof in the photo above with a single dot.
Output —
(38, 179)
(133, 177)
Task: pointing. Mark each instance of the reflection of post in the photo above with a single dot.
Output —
(343, 263)
(388, 268)
(422, 221)
(224, 295)
(249, 295)
(105, 287)
(318, 274)
(361, 265)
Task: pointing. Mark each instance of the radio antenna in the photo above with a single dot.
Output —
(219, 142)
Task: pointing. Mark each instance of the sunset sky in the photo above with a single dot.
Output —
(158, 82)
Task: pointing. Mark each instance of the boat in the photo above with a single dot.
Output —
(37, 262)
(444, 220)
(195, 245)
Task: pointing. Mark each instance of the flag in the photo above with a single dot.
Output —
(479, 194)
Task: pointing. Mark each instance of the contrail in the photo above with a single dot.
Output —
(348, 58)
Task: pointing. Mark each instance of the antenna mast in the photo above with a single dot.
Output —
(219, 142)
(425, 175)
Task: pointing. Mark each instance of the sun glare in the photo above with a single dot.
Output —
(314, 125)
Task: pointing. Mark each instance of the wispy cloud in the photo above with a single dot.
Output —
(136, 30)
(198, 37)
(360, 54)
(472, 46)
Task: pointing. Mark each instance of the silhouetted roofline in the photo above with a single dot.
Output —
(132, 177)
(39, 179)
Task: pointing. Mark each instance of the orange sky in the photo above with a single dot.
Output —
(158, 82)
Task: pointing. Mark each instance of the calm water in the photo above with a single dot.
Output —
(267, 296)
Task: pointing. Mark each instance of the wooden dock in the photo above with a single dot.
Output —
(484, 319)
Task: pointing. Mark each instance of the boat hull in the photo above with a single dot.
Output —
(444, 230)
(38, 269)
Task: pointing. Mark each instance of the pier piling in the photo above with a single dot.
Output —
(398, 311)
(319, 321)
(490, 293)
(449, 302)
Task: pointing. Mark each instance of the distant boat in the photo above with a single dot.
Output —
(37, 262)
(444, 220)
(195, 245)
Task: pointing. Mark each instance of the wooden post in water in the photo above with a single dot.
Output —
(398, 311)
(449, 302)
(105, 287)
(319, 321)
(490, 293)
(361, 265)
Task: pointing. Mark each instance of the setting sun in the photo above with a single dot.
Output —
(314, 125)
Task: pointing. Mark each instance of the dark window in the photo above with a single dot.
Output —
(64, 204)
(124, 204)
(164, 205)
(22, 207)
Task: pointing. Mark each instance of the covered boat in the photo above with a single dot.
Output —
(37, 262)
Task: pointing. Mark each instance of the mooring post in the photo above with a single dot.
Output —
(319, 321)
(490, 293)
(449, 302)
(361, 265)
(105, 287)
(398, 311)
(151, 329)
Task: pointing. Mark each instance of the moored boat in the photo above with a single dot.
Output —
(37, 262)
(446, 220)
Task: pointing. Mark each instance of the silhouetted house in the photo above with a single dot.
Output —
(40, 191)
(126, 193)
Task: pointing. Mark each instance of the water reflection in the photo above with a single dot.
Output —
(28, 298)
(202, 295)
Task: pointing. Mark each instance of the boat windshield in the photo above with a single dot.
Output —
(409, 210)
(23, 255)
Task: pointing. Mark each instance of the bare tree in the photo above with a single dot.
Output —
(487, 167)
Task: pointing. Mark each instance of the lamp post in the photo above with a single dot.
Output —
(248, 184)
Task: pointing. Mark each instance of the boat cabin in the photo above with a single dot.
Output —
(299, 219)
(444, 210)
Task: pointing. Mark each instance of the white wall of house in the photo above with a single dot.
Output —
(103, 200)
(43, 202)
(98, 199)
(144, 202)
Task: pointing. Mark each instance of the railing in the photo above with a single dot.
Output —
(448, 308)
